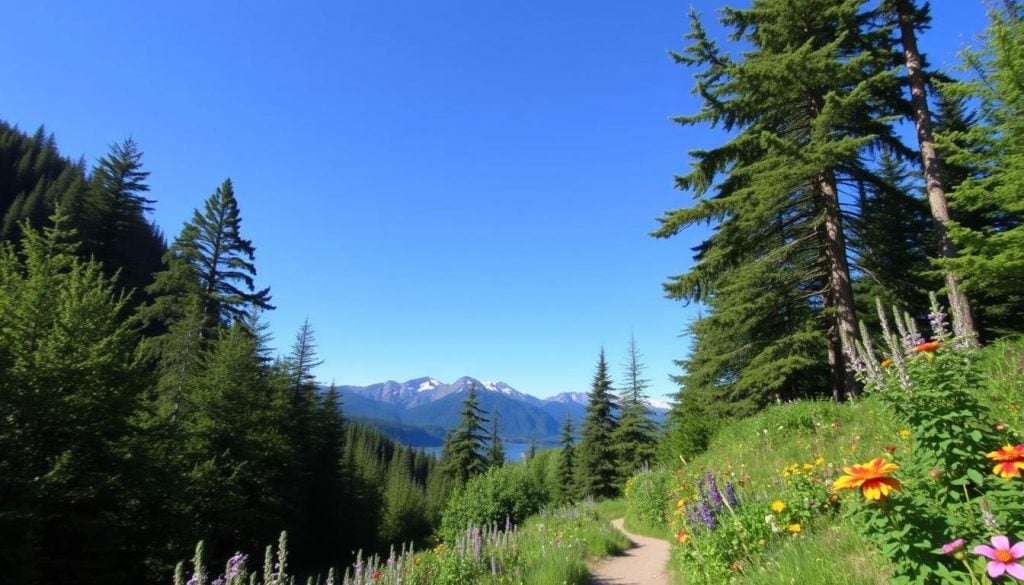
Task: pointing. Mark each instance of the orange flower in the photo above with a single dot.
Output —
(682, 536)
(886, 363)
(929, 346)
(1009, 461)
(870, 478)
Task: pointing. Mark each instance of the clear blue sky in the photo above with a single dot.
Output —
(443, 188)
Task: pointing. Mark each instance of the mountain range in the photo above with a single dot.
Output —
(420, 412)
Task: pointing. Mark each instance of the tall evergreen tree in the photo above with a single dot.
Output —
(911, 19)
(495, 446)
(127, 242)
(68, 390)
(595, 466)
(220, 258)
(809, 94)
(636, 434)
(566, 486)
(992, 253)
(462, 456)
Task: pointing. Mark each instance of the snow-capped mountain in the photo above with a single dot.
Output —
(431, 407)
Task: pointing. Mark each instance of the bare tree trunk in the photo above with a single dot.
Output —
(843, 321)
(960, 308)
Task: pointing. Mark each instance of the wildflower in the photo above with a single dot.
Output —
(904, 434)
(377, 575)
(794, 528)
(1010, 460)
(1000, 427)
(807, 467)
(890, 449)
(886, 363)
(1003, 557)
(935, 473)
(870, 478)
(952, 547)
(927, 347)
(778, 506)
(682, 536)
(730, 495)
(820, 460)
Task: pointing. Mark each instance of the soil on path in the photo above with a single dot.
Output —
(643, 564)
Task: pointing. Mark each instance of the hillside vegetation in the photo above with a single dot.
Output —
(765, 503)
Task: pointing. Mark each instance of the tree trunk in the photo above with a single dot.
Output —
(839, 299)
(960, 308)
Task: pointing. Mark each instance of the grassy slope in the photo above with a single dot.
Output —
(752, 452)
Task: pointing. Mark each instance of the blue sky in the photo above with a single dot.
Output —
(443, 188)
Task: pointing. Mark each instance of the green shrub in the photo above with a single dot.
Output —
(501, 494)
(647, 498)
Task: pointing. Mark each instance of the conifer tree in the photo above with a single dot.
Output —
(911, 19)
(69, 387)
(635, 435)
(463, 455)
(596, 463)
(495, 447)
(220, 258)
(566, 486)
(810, 92)
(992, 254)
(126, 243)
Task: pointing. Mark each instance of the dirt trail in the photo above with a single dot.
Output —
(643, 564)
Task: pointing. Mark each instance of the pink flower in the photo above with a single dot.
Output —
(951, 547)
(1003, 557)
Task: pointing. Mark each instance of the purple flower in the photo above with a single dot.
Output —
(713, 493)
(952, 547)
(706, 516)
(730, 494)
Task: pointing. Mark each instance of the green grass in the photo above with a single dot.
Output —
(611, 509)
(554, 547)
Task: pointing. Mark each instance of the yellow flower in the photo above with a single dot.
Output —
(794, 528)
(820, 460)
(808, 467)
(904, 434)
(778, 506)
(681, 503)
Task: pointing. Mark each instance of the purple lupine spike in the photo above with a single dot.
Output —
(706, 516)
(714, 496)
(730, 494)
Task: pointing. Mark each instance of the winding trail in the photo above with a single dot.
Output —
(644, 563)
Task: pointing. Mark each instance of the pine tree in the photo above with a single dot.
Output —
(495, 447)
(462, 456)
(595, 467)
(636, 434)
(69, 391)
(992, 254)
(566, 486)
(127, 244)
(810, 92)
(911, 18)
(221, 259)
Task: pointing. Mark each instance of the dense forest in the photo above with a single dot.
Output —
(145, 409)
(852, 172)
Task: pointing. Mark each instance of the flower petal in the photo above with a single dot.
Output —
(1000, 542)
(985, 551)
(1017, 550)
(996, 569)
(1015, 571)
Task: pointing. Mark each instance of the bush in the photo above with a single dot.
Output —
(647, 498)
(501, 494)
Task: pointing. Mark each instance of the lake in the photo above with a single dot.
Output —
(513, 451)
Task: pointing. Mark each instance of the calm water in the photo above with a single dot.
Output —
(513, 451)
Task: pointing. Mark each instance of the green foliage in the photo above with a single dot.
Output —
(991, 260)
(501, 493)
(69, 386)
(596, 473)
(566, 489)
(646, 499)
(933, 389)
(635, 436)
(462, 456)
